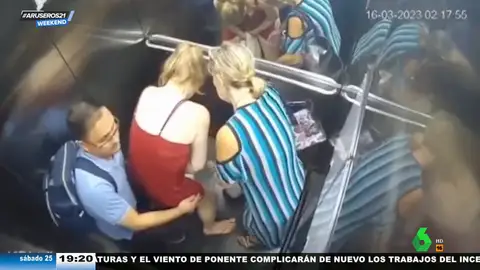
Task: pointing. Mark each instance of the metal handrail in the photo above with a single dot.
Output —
(331, 83)
(170, 43)
(265, 73)
(370, 108)
(393, 104)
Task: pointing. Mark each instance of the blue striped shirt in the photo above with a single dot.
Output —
(373, 41)
(320, 13)
(267, 167)
(381, 41)
(381, 178)
(405, 38)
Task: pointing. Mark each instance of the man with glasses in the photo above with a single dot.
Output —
(114, 211)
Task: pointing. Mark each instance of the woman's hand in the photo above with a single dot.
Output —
(238, 32)
(242, 35)
(290, 60)
(270, 20)
(222, 185)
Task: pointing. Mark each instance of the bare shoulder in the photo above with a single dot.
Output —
(149, 90)
(227, 145)
(147, 93)
(295, 27)
(196, 112)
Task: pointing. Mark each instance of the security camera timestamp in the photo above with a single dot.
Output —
(413, 15)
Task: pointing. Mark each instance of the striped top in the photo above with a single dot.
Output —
(381, 178)
(387, 43)
(320, 13)
(373, 41)
(405, 38)
(267, 167)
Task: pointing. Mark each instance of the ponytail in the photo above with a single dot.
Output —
(258, 86)
(234, 65)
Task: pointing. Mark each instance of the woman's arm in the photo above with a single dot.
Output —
(227, 147)
(237, 31)
(233, 28)
(272, 16)
(200, 141)
(294, 43)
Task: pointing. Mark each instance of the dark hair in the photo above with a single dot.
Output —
(80, 117)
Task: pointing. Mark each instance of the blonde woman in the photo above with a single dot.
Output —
(247, 17)
(256, 147)
(168, 137)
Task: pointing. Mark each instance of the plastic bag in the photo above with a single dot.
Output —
(307, 130)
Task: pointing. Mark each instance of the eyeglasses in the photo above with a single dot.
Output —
(107, 138)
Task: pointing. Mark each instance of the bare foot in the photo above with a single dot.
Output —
(220, 227)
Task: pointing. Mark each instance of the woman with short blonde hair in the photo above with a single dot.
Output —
(168, 137)
(256, 147)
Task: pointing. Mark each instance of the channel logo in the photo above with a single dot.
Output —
(422, 242)
(47, 18)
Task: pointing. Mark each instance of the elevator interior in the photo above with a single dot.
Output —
(110, 53)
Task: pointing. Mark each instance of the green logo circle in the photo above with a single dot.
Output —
(422, 236)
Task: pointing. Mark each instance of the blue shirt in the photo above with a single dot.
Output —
(99, 198)
(267, 167)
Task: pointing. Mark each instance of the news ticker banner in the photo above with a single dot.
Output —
(89, 261)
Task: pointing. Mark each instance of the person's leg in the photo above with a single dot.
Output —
(207, 211)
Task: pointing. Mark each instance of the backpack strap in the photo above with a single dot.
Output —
(88, 166)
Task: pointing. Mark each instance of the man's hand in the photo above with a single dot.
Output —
(189, 204)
